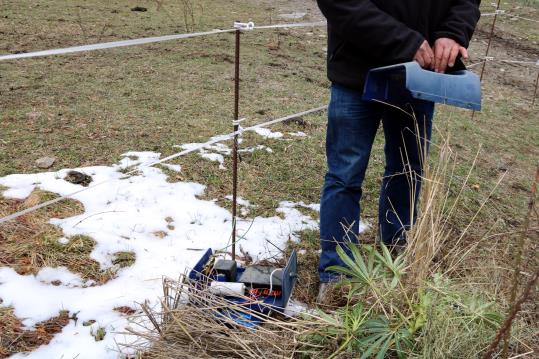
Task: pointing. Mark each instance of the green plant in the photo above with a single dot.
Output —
(124, 259)
(99, 334)
(381, 335)
(369, 270)
(384, 318)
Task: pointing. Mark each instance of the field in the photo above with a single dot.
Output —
(88, 109)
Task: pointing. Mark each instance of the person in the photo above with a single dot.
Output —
(364, 34)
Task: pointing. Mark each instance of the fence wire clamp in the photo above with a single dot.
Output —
(495, 13)
(237, 122)
(244, 25)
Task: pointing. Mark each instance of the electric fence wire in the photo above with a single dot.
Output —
(523, 18)
(521, 62)
(156, 39)
(475, 64)
(507, 61)
(508, 14)
(147, 40)
(214, 140)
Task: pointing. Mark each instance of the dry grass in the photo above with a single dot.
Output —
(31, 242)
(159, 95)
(14, 339)
(207, 328)
(455, 316)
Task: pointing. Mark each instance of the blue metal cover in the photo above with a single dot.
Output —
(288, 280)
(397, 84)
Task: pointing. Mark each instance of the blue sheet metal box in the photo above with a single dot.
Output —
(397, 84)
(287, 279)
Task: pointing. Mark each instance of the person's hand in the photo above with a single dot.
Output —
(425, 56)
(446, 52)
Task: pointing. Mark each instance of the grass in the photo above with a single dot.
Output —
(88, 109)
(15, 339)
(148, 100)
(124, 259)
(413, 306)
(515, 27)
(31, 243)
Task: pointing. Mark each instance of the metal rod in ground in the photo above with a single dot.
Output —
(490, 38)
(235, 146)
(535, 91)
(488, 45)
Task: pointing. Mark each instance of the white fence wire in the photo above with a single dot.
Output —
(157, 39)
(214, 140)
(148, 40)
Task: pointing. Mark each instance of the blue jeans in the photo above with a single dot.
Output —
(351, 129)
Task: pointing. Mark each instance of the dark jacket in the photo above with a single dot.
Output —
(363, 34)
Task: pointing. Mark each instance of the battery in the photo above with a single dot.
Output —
(226, 267)
(259, 277)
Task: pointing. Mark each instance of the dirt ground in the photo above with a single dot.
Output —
(88, 109)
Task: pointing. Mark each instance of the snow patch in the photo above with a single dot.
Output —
(298, 134)
(214, 152)
(313, 206)
(256, 148)
(123, 215)
(175, 168)
(245, 204)
(267, 133)
(133, 158)
(59, 276)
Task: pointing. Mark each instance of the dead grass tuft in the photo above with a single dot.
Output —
(124, 259)
(15, 339)
(207, 328)
(30, 242)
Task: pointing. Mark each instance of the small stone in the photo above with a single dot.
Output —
(139, 8)
(45, 162)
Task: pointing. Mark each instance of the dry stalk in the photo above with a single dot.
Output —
(518, 257)
(193, 323)
(429, 232)
(506, 326)
(81, 25)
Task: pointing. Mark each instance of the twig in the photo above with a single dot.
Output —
(93, 215)
(506, 326)
(518, 258)
(79, 22)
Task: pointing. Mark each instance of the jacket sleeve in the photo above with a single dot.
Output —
(460, 22)
(372, 30)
